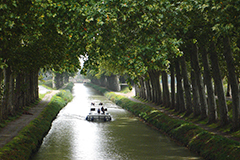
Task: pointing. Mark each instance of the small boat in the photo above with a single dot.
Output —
(98, 114)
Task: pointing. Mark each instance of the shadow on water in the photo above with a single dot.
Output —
(73, 138)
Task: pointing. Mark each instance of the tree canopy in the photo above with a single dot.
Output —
(122, 37)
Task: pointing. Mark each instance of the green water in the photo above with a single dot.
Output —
(125, 138)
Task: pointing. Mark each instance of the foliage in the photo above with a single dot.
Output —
(115, 37)
(121, 37)
(34, 35)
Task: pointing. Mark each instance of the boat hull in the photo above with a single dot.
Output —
(99, 117)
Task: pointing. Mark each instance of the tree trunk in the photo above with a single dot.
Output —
(58, 80)
(166, 98)
(186, 86)
(23, 90)
(228, 90)
(113, 83)
(218, 85)
(153, 90)
(212, 109)
(154, 77)
(196, 100)
(149, 90)
(196, 67)
(27, 93)
(31, 87)
(19, 92)
(1, 95)
(53, 80)
(143, 88)
(7, 92)
(140, 88)
(10, 96)
(137, 90)
(180, 96)
(232, 79)
(95, 81)
(65, 77)
(172, 86)
(36, 85)
(12, 100)
(61, 80)
(103, 81)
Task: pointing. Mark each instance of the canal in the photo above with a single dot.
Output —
(71, 137)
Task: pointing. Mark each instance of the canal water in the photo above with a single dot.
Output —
(71, 137)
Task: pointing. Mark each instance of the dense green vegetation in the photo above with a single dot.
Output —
(208, 145)
(32, 39)
(30, 137)
(196, 42)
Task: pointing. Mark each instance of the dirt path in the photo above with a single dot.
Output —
(205, 127)
(13, 128)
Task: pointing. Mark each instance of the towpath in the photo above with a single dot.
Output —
(12, 129)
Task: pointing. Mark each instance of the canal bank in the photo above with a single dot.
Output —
(207, 144)
(30, 134)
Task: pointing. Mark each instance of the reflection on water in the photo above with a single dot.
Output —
(73, 138)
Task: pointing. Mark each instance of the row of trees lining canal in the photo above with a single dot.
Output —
(195, 41)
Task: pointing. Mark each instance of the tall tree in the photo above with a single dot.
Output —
(198, 76)
(180, 96)
(172, 85)
(233, 81)
(166, 98)
(223, 110)
(187, 89)
(212, 110)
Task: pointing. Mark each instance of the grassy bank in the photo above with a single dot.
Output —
(30, 137)
(208, 145)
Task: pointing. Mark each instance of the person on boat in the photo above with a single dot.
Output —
(98, 111)
(101, 103)
(92, 104)
(102, 109)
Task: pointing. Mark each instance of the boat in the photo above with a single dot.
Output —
(98, 113)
